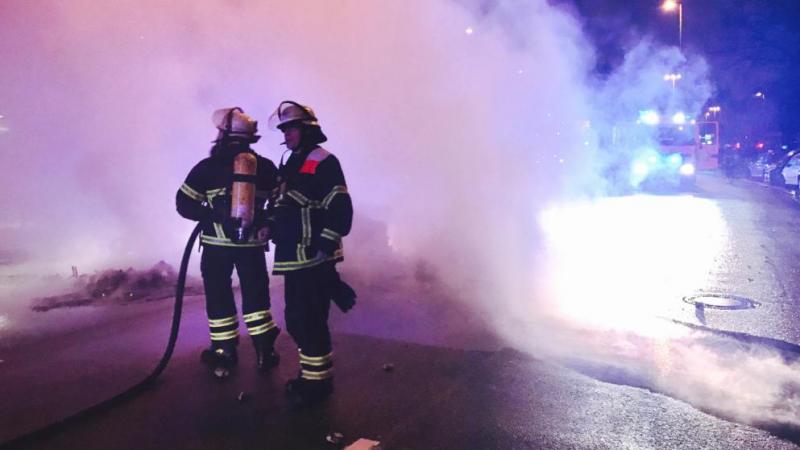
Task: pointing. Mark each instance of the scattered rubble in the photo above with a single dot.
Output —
(116, 286)
(364, 444)
(335, 438)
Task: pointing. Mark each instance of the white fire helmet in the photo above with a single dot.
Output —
(293, 112)
(233, 122)
(289, 111)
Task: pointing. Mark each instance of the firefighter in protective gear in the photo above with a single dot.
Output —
(308, 217)
(227, 193)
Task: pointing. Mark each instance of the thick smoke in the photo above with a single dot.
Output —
(639, 83)
(639, 86)
(456, 128)
(452, 127)
(741, 381)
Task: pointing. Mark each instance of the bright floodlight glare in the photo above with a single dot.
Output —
(675, 159)
(649, 117)
(679, 118)
(687, 169)
(469, 30)
(640, 254)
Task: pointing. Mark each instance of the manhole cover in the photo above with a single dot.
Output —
(720, 301)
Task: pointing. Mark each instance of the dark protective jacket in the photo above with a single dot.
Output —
(205, 196)
(312, 212)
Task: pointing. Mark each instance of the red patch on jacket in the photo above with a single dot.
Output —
(309, 166)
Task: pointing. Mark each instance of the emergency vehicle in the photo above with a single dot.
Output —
(666, 148)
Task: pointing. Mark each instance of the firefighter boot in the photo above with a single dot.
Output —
(266, 357)
(303, 393)
(221, 359)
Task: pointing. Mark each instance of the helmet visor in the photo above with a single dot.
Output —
(289, 111)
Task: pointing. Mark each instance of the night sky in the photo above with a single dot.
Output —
(751, 46)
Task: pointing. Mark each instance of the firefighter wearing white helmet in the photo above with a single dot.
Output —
(233, 124)
(227, 193)
(292, 114)
(308, 218)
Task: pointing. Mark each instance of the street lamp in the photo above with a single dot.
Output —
(713, 110)
(671, 6)
(673, 77)
(761, 95)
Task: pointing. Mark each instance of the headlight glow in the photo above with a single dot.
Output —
(649, 117)
(640, 168)
(687, 169)
(679, 118)
(675, 159)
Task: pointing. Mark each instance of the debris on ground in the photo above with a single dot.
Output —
(364, 444)
(116, 286)
(221, 373)
(335, 438)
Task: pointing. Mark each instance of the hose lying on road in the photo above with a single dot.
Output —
(61, 424)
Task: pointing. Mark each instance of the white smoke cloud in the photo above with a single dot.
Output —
(639, 82)
(448, 137)
(745, 382)
(453, 141)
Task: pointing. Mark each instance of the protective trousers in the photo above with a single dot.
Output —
(216, 266)
(307, 293)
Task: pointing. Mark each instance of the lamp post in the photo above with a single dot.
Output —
(673, 5)
(673, 77)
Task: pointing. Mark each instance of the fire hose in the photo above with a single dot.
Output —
(84, 414)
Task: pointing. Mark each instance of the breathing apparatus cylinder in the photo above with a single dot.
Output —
(243, 194)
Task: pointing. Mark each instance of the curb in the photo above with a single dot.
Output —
(792, 194)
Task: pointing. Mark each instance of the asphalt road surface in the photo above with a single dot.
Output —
(725, 375)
